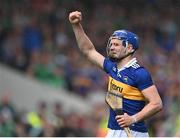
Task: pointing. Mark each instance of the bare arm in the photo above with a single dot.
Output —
(84, 43)
(154, 105)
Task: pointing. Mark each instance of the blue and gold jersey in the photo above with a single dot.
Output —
(130, 81)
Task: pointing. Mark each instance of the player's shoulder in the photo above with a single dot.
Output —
(142, 74)
(109, 65)
(135, 67)
(138, 70)
(141, 70)
(133, 64)
(141, 77)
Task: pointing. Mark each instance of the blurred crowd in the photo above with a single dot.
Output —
(37, 39)
(50, 120)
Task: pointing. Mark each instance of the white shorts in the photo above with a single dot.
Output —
(121, 133)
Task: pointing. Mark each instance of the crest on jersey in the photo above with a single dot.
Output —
(125, 78)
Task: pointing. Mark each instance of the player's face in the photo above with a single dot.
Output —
(117, 50)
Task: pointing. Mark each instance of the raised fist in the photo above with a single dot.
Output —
(75, 17)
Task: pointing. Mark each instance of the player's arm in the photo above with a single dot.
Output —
(154, 103)
(84, 43)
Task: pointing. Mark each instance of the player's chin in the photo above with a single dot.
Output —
(112, 55)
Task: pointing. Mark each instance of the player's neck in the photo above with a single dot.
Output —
(124, 61)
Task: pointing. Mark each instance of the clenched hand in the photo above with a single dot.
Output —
(75, 17)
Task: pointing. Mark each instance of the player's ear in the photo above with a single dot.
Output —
(130, 48)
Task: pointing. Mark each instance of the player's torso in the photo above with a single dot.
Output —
(124, 81)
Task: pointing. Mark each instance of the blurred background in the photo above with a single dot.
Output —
(47, 88)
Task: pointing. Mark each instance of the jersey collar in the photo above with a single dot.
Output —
(129, 64)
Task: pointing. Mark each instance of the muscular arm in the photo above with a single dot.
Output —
(84, 43)
(154, 105)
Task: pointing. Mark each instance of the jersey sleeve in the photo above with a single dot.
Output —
(143, 79)
(107, 65)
